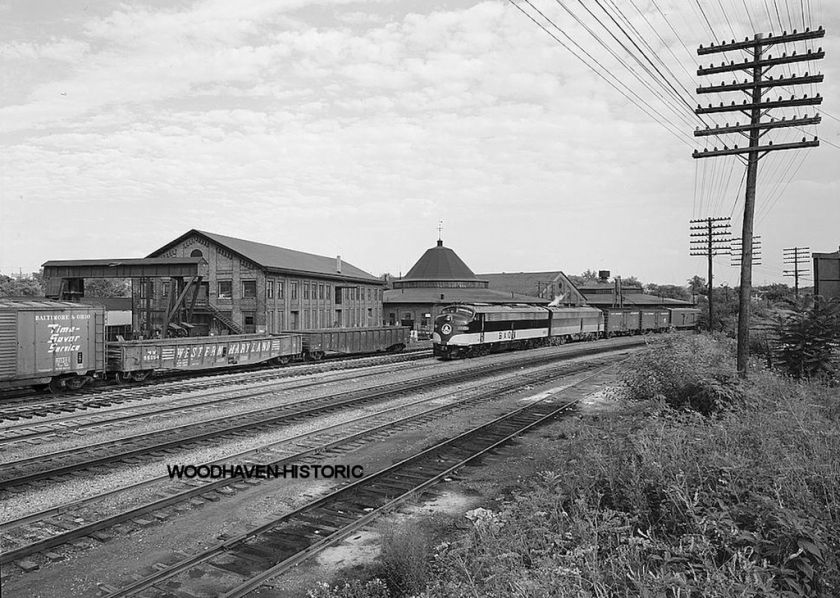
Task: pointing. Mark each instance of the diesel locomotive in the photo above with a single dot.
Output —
(466, 330)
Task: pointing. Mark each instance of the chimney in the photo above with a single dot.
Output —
(338, 264)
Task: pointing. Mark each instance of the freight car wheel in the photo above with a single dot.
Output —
(317, 355)
(75, 383)
(141, 375)
(122, 377)
(56, 385)
(282, 360)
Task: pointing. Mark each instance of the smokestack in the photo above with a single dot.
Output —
(338, 264)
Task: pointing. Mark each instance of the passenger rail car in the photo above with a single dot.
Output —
(475, 329)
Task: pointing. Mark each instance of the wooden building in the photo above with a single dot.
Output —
(255, 287)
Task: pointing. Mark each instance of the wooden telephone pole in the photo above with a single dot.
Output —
(757, 64)
(711, 239)
(795, 256)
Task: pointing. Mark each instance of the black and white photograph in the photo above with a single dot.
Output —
(420, 299)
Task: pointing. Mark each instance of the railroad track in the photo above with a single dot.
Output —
(45, 431)
(105, 396)
(52, 466)
(240, 564)
(61, 525)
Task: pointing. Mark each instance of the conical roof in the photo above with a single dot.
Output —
(440, 263)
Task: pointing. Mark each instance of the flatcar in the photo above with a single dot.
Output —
(463, 330)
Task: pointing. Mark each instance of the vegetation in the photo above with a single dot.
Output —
(21, 286)
(806, 340)
(697, 485)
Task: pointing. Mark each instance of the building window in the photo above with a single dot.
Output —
(249, 289)
(321, 291)
(196, 253)
(280, 294)
(225, 289)
(164, 288)
(306, 290)
(338, 295)
(293, 290)
(249, 319)
(269, 289)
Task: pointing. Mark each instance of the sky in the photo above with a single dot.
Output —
(354, 128)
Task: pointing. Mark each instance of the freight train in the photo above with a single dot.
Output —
(465, 330)
(61, 345)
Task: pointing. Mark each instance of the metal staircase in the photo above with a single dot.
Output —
(231, 325)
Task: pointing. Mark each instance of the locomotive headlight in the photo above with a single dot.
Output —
(446, 329)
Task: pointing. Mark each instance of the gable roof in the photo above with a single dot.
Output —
(544, 284)
(439, 263)
(278, 259)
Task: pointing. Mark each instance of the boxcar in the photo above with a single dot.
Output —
(684, 317)
(136, 360)
(50, 342)
(344, 341)
(621, 322)
(576, 323)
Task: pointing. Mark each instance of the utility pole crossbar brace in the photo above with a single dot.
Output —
(758, 64)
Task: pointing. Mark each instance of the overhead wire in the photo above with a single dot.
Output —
(639, 102)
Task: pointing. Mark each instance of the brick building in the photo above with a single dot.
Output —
(254, 287)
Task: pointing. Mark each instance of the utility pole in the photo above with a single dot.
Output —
(738, 250)
(796, 256)
(757, 64)
(711, 239)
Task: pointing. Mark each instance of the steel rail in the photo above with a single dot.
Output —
(255, 419)
(502, 387)
(347, 491)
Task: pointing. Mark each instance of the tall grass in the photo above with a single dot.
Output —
(679, 504)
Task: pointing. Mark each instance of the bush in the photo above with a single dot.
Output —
(807, 341)
(743, 504)
(685, 372)
(374, 588)
(404, 558)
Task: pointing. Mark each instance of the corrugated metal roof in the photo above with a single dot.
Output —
(433, 295)
(279, 258)
(38, 303)
(439, 263)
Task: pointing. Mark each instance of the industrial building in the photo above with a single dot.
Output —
(255, 287)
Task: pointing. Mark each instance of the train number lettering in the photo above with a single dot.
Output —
(507, 335)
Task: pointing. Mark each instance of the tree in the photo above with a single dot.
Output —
(697, 285)
(107, 287)
(29, 286)
(630, 281)
(668, 291)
